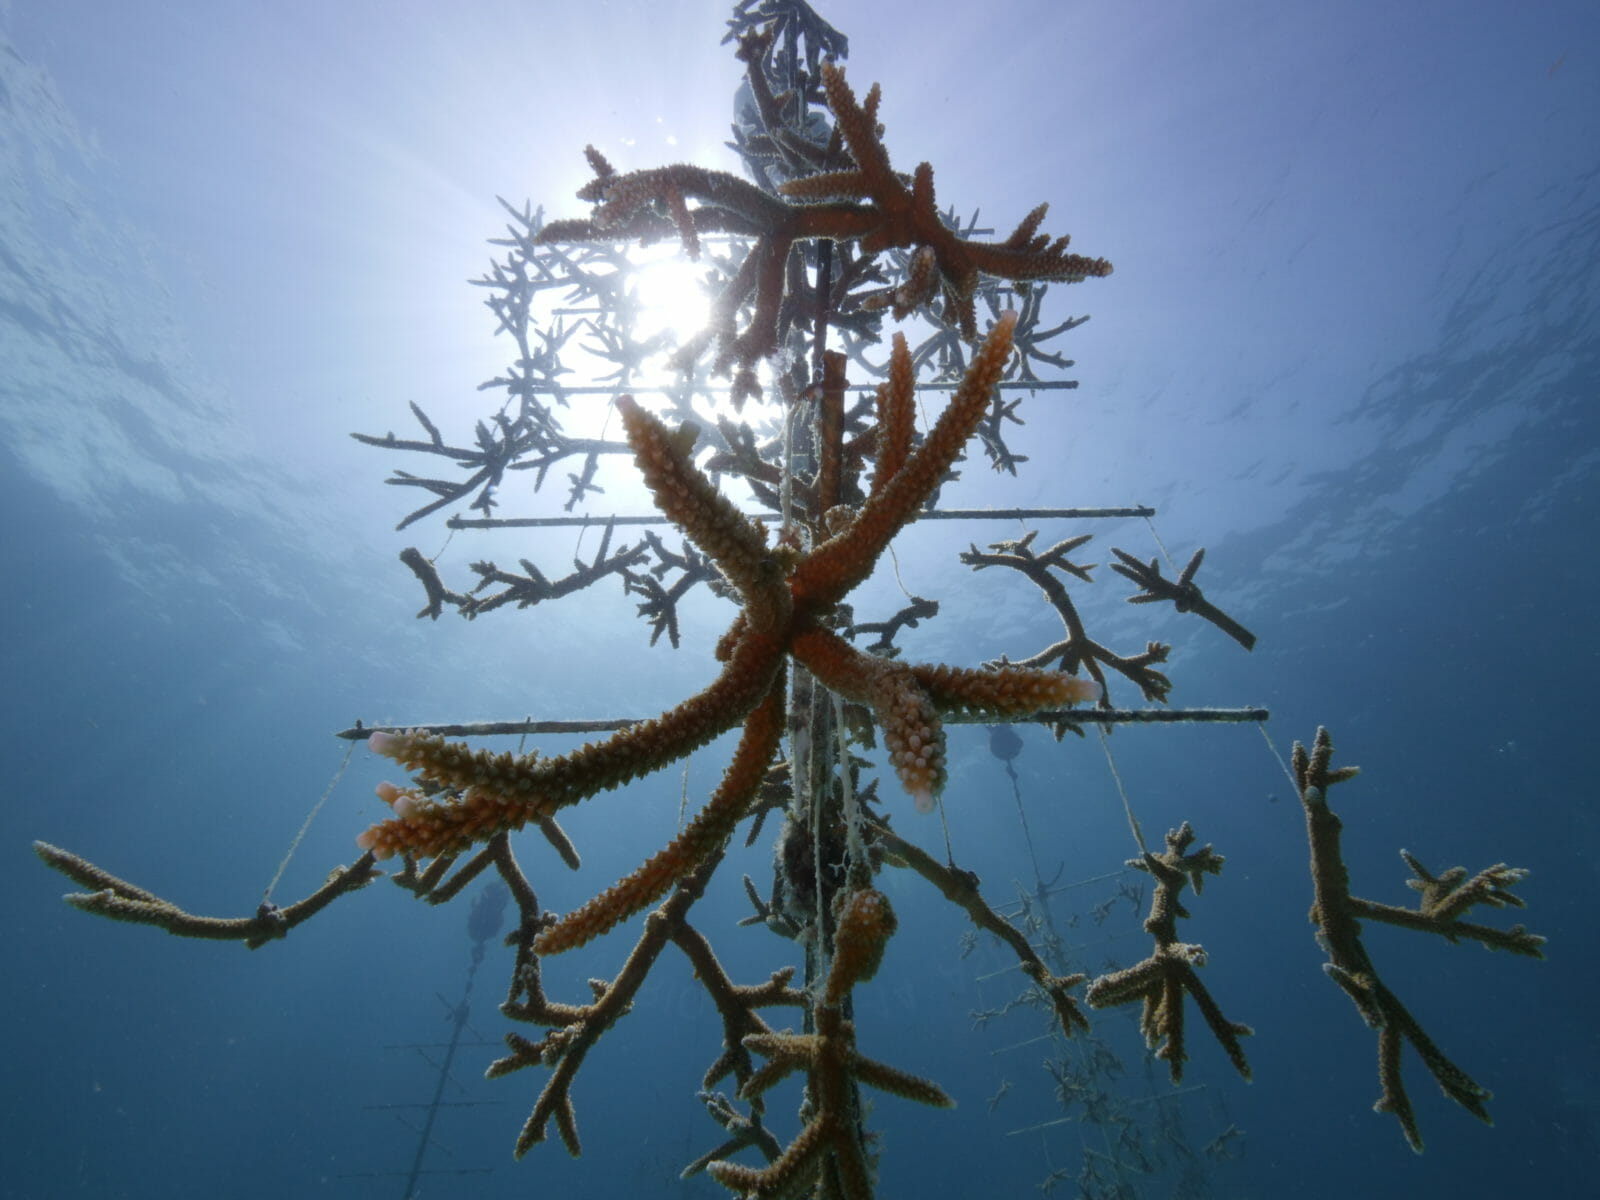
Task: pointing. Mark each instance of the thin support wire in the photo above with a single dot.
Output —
(1272, 748)
(1162, 545)
(1127, 804)
(311, 816)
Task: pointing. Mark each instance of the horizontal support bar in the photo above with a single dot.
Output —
(1084, 716)
(938, 514)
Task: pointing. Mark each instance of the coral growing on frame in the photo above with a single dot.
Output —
(809, 261)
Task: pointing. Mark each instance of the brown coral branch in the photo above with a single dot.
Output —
(909, 217)
(1335, 913)
(845, 560)
(707, 833)
(869, 205)
(1184, 592)
(120, 900)
(1077, 651)
(961, 888)
(1161, 980)
(828, 1149)
(581, 1027)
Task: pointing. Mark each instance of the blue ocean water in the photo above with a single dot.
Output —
(1350, 349)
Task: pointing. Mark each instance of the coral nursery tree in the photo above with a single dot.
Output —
(824, 261)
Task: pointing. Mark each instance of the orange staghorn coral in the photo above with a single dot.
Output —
(865, 203)
(780, 616)
(704, 836)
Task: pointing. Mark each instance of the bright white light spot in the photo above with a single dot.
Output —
(672, 299)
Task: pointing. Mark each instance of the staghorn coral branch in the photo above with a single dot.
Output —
(660, 606)
(534, 587)
(428, 575)
(566, 1047)
(845, 560)
(909, 216)
(1184, 593)
(867, 204)
(498, 447)
(482, 795)
(498, 793)
(918, 610)
(1161, 980)
(736, 1004)
(828, 1151)
(961, 888)
(1335, 913)
(122, 901)
(1077, 650)
(1447, 897)
(906, 701)
(736, 545)
(745, 1131)
(702, 837)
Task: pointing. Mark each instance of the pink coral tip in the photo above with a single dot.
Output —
(387, 792)
(382, 742)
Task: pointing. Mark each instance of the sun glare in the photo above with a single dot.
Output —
(674, 305)
(672, 299)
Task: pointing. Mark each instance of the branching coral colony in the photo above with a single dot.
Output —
(826, 240)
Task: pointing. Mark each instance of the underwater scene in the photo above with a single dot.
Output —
(815, 600)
